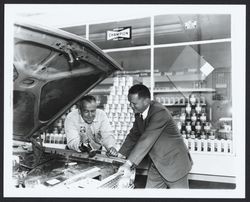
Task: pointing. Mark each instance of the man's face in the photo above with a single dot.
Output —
(138, 104)
(88, 111)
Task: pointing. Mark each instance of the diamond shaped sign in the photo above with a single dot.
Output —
(206, 69)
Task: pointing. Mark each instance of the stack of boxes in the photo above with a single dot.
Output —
(118, 109)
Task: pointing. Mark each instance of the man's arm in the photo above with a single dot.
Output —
(156, 125)
(72, 134)
(108, 139)
(130, 140)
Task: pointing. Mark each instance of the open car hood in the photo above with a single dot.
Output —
(53, 69)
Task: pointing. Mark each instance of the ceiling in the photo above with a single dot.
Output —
(63, 15)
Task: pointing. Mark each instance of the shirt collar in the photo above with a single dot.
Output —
(145, 113)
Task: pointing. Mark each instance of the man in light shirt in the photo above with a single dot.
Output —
(88, 129)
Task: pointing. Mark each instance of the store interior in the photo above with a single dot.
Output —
(180, 58)
(186, 61)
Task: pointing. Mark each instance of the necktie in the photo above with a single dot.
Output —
(141, 116)
(140, 122)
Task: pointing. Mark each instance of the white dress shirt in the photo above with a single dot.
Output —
(145, 113)
(99, 132)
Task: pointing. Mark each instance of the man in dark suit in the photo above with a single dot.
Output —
(155, 133)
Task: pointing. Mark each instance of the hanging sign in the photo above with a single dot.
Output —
(120, 33)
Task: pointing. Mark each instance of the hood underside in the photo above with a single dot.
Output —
(53, 69)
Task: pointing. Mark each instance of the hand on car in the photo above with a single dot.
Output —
(84, 148)
(128, 175)
(125, 169)
(87, 148)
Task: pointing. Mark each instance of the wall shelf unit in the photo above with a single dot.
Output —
(177, 78)
(195, 90)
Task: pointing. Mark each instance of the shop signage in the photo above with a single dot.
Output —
(120, 33)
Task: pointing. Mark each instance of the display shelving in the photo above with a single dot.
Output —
(183, 90)
(184, 56)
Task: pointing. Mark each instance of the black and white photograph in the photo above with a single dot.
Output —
(124, 100)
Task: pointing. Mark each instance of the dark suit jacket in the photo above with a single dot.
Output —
(160, 138)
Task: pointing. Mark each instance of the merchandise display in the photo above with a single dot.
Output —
(55, 134)
(120, 113)
(196, 129)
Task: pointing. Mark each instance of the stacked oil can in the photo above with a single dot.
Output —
(197, 130)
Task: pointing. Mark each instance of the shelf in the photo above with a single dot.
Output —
(178, 105)
(110, 81)
(184, 77)
(174, 105)
(204, 90)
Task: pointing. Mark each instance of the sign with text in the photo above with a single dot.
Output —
(120, 33)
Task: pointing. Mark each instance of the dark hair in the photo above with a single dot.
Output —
(141, 90)
(86, 98)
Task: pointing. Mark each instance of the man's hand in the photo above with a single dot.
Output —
(112, 152)
(87, 148)
(128, 175)
(84, 148)
(125, 169)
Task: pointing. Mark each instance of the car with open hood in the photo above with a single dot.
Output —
(53, 69)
